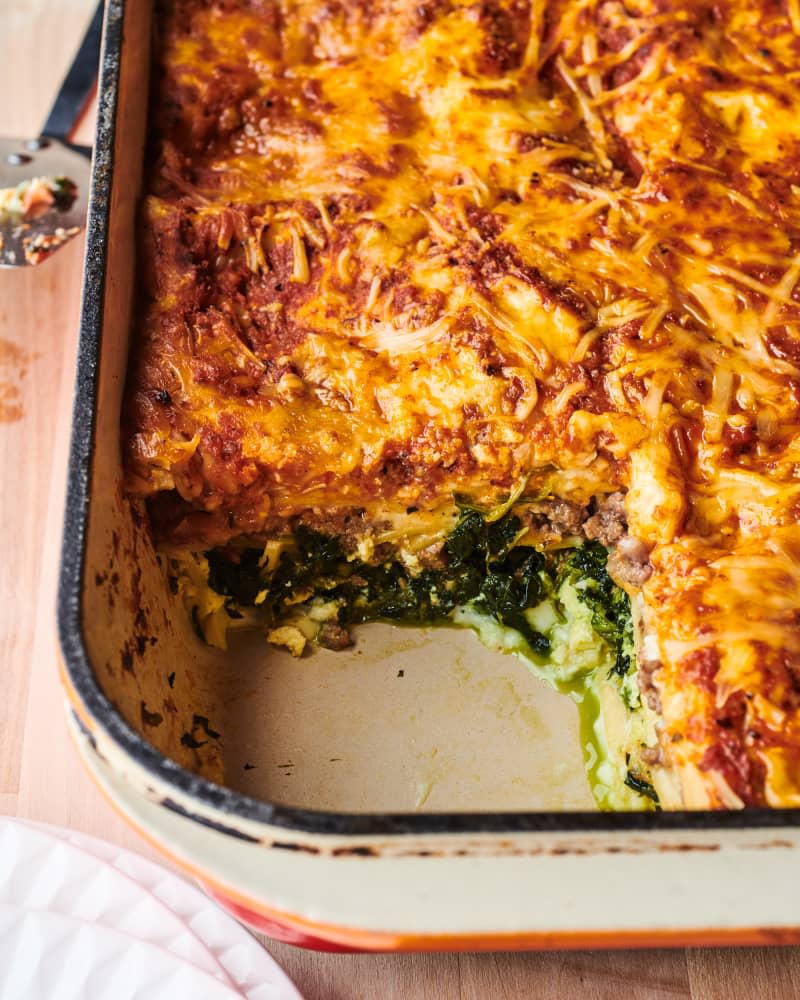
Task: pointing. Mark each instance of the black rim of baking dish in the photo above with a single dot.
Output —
(206, 793)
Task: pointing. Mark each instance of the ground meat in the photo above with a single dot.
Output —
(433, 557)
(551, 520)
(651, 755)
(647, 668)
(333, 636)
(653, 701)
(609, 524)
(629, 563)
(350, 527)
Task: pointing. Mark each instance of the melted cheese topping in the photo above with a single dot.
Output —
(398, 250)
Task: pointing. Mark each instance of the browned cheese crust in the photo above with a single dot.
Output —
(397, 250)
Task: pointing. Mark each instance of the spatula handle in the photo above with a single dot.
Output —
(78, 83)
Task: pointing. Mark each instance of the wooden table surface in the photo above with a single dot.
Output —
(40, 775)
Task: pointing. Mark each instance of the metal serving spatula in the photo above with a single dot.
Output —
(39, 216)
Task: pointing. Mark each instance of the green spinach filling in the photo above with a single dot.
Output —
(484, 565)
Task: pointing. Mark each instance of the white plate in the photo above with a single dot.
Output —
(83, 919)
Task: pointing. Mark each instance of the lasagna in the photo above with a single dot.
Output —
(487, 313)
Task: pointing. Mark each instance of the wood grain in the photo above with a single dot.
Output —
(40, 775)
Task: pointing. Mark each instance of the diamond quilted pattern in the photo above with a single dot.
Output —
(81, 918)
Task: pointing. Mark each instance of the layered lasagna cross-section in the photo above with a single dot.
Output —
(488, 313)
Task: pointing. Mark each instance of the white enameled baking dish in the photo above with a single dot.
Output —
(417, 792)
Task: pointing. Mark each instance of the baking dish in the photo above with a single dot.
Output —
(377, 800)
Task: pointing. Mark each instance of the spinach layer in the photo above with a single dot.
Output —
(482, 565)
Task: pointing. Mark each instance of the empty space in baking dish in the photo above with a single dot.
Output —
(408, 720)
